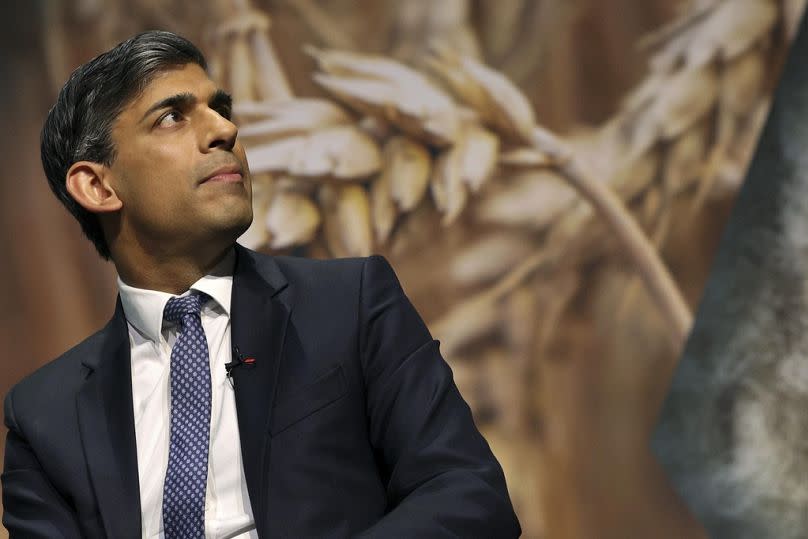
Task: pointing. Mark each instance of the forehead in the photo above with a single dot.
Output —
(187, 78)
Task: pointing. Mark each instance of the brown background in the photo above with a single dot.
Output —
(575, 64)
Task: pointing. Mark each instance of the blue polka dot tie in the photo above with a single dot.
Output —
(187, 472)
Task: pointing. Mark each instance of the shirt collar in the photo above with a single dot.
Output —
(144, 308)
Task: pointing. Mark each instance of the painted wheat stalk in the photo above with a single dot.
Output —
(444, 166)
(708, 78)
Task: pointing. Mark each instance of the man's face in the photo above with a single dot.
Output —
(180, 171)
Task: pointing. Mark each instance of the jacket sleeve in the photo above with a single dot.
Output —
(32, 508)
(442, 478)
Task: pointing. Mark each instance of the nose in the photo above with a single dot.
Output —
(221, 132)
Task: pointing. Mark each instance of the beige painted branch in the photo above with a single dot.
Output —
(253, 26)
(447, 326)
(271, 77)
(637, 245)
(322, 25)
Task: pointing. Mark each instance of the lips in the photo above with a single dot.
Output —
(225, 174)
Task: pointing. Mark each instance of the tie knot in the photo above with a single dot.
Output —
(178, 307)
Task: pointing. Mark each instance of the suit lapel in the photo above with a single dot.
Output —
(107, 428)
(260, 311)
(259, 315)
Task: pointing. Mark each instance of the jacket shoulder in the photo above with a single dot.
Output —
(298, 264)
(339, 283)
(55, 379)
(331, 271)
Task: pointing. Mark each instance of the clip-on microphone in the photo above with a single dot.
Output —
(239, 360)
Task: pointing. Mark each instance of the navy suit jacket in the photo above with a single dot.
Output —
(350, 422)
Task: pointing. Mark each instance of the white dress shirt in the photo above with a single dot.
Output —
(228, 513)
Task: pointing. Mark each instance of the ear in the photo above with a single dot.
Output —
(88, 183)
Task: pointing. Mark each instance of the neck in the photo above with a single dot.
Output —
(168, 273)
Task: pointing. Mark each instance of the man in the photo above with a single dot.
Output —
(232, 394)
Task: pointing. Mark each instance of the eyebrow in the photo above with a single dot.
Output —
(185, 100)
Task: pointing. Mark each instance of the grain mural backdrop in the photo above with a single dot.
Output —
(548, 178)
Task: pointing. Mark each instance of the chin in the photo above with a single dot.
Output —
(239, 223)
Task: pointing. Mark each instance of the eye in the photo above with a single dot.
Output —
(169, 119)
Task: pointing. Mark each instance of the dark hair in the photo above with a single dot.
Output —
(78, 127)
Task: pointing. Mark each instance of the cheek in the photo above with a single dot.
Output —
(154, 190)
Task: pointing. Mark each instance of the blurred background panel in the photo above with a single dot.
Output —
(466, 141)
